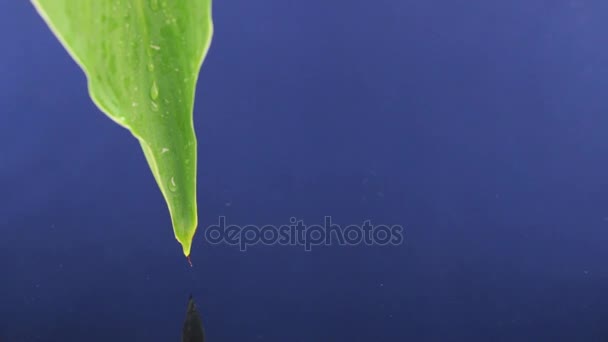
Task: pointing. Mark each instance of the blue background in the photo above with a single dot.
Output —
(480, 126)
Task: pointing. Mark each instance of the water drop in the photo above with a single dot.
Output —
(154, 91)
(150, 67)
(172, 185)
(154, 106)
(154, 5)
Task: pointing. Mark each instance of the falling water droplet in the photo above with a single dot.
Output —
(172, 185)
(154, 106)
(154, 91)
(150, 67)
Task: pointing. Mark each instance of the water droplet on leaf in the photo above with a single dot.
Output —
(154, 91)
(154, 5)
(172, 185)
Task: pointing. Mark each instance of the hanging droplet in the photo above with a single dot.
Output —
(189, 261)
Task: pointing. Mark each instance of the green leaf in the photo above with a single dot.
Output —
(142, 60)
